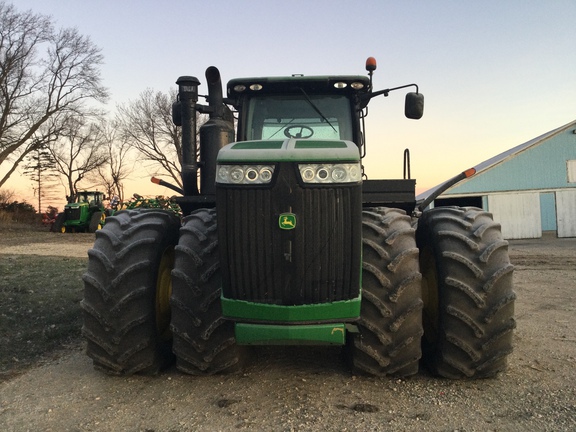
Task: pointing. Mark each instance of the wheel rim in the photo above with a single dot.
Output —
(102, 221)
(163, 293)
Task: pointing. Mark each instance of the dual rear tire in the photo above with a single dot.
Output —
(127, 289)
(204, 342)
(453, 285)
(467, 292)
(390, 325)
(153, 287)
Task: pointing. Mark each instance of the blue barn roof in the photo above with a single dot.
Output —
(537, 164)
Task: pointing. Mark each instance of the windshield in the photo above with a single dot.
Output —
(301, 116)
(88, 197)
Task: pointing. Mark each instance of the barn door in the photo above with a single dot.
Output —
(519, 214)
(566, 213)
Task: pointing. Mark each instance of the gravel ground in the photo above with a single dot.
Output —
(21, 242)
(310, 389)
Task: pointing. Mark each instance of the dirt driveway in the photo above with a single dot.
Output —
(310, 389)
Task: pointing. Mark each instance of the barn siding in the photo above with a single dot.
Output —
(518, 214)
(542, 166)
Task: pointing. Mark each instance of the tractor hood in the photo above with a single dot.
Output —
(289, 150)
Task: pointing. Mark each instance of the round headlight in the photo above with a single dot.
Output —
(308, 174)
(236, 174)
(223, 173)
(322, 173)
(266, 174)
(338, 174)
(355, 173)
(251, 174)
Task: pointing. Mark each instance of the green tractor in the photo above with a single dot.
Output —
(84, 213)
(284, 241)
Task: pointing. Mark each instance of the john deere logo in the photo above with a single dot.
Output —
(287, 221)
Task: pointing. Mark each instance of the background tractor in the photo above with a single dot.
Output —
(285, 241)
(84, 213)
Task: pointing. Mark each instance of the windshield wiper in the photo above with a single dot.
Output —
(317, 110)
(281, 127)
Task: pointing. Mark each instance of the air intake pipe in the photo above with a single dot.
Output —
(215, 133)
(184, 111)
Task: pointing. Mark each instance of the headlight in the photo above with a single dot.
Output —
(245, 174)
(331, 173)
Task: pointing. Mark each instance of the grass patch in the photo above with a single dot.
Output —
(39, 308)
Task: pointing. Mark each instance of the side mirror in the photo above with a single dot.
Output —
(414, 105)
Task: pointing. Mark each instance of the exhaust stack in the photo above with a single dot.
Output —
(215, 133)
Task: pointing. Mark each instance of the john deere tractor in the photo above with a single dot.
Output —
(285, 241)
(84, 213)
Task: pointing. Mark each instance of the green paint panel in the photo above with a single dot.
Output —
(322, 334)
(258, 145)
(308, 144)
(345, 309)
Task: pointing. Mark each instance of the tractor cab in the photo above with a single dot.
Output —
(316, 107)
(299, 107)
(93, 198)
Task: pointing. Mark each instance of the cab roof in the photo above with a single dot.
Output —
(339, 84)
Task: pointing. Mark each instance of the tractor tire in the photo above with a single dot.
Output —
(95, 224)
(204, 342)
(467, 291)
(390, 325)
(127, 285)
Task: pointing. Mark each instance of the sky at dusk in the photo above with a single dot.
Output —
(494, 73)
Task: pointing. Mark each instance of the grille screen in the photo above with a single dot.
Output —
(73, 213)
(316, 262)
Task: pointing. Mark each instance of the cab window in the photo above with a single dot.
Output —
(315, 116)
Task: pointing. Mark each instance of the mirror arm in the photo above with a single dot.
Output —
(387, 91)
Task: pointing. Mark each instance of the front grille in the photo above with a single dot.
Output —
(317, 262)
(72, 213)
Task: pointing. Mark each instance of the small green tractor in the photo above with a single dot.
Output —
(284, 241)
(84, 213)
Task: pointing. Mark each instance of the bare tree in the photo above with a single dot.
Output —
(117, 168)
(77, 152)
(40, 168)
(147, 125)
(6, 196)
(45, 76)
